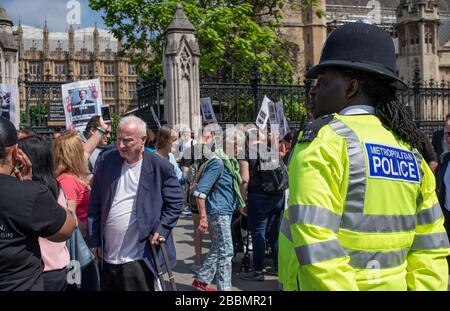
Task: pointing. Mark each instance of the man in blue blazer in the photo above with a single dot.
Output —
(135, 198)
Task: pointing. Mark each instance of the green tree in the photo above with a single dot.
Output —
(38, 115)
(114, 125)
(232, 35)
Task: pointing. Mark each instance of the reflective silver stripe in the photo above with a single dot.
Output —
(379, 223)
(357, 169)
(354, 218)
(430, 215)
(419, 200)
(419, 159)
(377, 260)
(430, 241)
(285, 228)
(317, 252)
(314, 215)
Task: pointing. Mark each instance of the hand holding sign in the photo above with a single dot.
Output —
(68, 103)
(82, 101)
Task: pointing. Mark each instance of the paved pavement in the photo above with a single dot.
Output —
(184, 244)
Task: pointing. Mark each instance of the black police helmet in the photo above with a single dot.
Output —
(362, 47)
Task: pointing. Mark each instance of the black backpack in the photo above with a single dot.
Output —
(273, 181)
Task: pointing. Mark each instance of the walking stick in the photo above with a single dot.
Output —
(162, 243)
(158, 267)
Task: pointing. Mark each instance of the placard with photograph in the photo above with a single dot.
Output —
(281, 119)
(272, 113)
(9, 103)
(263, 115)
(82, 101)
(207, 110)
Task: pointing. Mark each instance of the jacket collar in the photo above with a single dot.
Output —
(357, 109)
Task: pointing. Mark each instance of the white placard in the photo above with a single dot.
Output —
(155, 117)
(272, 113)
(82, 101)
(281, 119)
(9, 103)
(207, 110)
(263, 115)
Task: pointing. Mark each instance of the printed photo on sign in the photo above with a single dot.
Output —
(8, 102)
(263, 115)
(207, 110)
(272, 113)
(387, 162)
(281, 118)
(82, 101)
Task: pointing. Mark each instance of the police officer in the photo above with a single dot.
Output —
(363, 213)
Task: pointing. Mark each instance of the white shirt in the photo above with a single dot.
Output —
(121, 229)
(447, 187)
(358, 109)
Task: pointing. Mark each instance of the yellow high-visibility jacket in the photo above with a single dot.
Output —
(363, 213)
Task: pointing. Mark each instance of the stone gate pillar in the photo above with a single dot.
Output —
(181, 56)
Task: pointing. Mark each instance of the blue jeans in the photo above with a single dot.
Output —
(264, 213)
(220, 254)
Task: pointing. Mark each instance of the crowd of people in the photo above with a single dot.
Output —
(125, 195)
(352, 192)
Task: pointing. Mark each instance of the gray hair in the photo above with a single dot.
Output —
(140, 124)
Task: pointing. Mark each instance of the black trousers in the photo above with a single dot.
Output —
(130, 276)
(55, 280)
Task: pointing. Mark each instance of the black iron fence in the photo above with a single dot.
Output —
(149, 97)
(429, 102)
(239, 102)
(233, 102)
(39, 96)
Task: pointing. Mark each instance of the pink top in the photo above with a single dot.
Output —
(77, 191)
(55, 255)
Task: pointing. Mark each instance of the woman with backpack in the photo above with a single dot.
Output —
(217, 195)
(264, 193)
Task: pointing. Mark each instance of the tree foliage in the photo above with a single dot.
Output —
(38, 115)
(233, 35)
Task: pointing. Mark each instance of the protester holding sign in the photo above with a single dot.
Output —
(82, 101)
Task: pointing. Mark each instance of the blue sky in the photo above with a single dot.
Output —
(34, 13)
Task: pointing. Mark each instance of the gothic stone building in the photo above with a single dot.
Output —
(77, 55)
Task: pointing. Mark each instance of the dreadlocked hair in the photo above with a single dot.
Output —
(391, 112)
